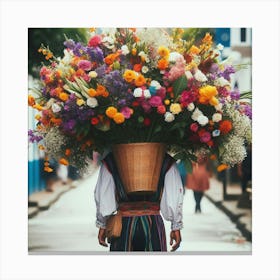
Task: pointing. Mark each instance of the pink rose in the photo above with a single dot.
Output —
(155, 101)
(205, 137)
(94, 41)
(85, 65)
(126, 111)
(194, 127)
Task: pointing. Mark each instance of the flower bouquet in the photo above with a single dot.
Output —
(132, 86)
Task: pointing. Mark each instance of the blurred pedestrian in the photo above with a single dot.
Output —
(198, 180)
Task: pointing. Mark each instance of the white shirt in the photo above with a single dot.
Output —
(171, 204)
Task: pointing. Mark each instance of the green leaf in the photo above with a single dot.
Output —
(188, 165)
(179, 85)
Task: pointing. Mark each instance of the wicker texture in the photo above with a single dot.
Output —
(139, 165)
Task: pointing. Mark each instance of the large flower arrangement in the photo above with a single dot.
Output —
(139, 86)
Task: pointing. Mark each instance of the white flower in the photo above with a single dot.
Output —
(138, 92)
(108, 42)
(216, 117)
(56, 108)
(221, 82)
(169, 117)
(125, 50)
(145, 69)
(92, 102)
(155, 84)
(147, 93)
(199, 76)
(202, 120)
(189, 75)
(196, 114)
(92, 74)
(220, 47)
(144, 56)
(190, 107)
(219, 107)
(173, 56)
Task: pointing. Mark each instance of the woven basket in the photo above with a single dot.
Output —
(139, 165)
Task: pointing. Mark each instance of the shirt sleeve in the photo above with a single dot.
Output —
(171, 204)
(104, 195)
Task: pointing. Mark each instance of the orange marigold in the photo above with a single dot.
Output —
(92, 92)
(162, 64)
(101, 90)
(225, 126)
(111, 112)
(63, 96)
(109, 59)
(119, 118)
(140, 80)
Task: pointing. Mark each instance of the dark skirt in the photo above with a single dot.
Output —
(141, 233)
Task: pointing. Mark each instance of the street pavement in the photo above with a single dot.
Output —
(68, 226)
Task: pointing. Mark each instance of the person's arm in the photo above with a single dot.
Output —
(172, 204)
(105, 200)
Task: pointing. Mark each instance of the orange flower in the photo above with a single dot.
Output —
(56, 121)
(63, 96)
(162, 64)
(92, 92)
(129, 75)
(222, 167)
(101, 90)
(38, 107)
(48, 169)
(207, 38)
(137, 67)
(41, 147)
(109, 59)
(67, 152)
(213, 157)
(225, 126)
(31, 100)
(64, 161)
(111, 112)
(140, 80)
(194, 50)
(119, 118)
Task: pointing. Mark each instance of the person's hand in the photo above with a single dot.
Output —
(102, 237)
(175, 235)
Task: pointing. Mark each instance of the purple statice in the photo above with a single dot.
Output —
(70, 44)
(79, 50)
(235, 94)
(69, 126)
(101, 71)
(115, 83)
(247, 109)
(32, 137)
(229, 69)
(95, 54)
(214, 68)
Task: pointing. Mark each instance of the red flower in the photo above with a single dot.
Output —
(225, 126)
(147, 122)
(135, 104)
(94, 41)
(94, 121)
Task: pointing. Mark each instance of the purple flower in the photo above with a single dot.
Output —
(70, 44)
(229, 69)
(95, 54)
(69, 125)
(235, 94)
(101, 71)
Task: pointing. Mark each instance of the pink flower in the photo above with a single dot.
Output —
(161, 92)
(161, 109)
(85, 65)
(178, 69)
(94, 41)
(194, 127)
(188, 97)
(205, 137)
(155, 101)
(127, 112)
(146, 106)
(86, 78)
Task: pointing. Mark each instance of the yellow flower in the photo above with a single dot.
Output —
(41, 147)
(175, 108)
(129, 75)
(31, 100)
(63, 161)
(80, 102)
(166, 101)
(194, 50)
(92, 74)
(133, 51)
(38, 107)
(222, 167)
(207, 95)
(111, 112)
(37, 117)
(207, 38)
(119, 118)
(163, 52)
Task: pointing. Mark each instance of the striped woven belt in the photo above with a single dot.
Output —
(139, 208)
